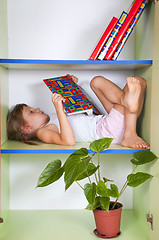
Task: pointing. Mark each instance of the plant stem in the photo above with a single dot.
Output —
(115, 203)
(93, 154)
(88, 177)
(134, 169)
(98, 168)
(95, 173)
(96, 177)
(79, 185)
(123, 188)
(125, 184)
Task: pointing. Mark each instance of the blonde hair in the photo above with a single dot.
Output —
(14, 122)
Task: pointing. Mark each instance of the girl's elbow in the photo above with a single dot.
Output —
(71, 143)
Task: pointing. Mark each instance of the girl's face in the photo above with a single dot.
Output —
(34, 118)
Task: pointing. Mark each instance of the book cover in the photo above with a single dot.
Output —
(130, 29)
(123, 29)
(112, 35)
(104, 38)
(76, 100)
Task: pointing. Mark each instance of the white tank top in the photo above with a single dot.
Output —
(83, 125)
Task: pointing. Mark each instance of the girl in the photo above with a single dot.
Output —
(123, 107)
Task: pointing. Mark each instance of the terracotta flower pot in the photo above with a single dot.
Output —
(108, 223)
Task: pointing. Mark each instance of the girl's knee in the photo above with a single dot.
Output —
(96, 82)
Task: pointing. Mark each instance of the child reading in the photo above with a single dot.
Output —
(123, 108)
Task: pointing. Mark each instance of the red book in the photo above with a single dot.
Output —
(123, 29)
(104, 38)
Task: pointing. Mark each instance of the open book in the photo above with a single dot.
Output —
(76, 99)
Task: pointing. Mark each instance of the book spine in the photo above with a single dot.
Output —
(104, 38)
(112, 35)
(123, 29)
(130, 29)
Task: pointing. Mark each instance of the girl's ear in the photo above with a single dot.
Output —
(26, 129)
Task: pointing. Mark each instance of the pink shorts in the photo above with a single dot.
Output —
(112, 126)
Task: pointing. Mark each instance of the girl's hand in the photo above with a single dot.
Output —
(74, 78)
(57, 100)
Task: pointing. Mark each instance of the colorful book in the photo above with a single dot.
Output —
(104, 38)
(133, 11)
(130, 29)
(112, 35)
(76, 100)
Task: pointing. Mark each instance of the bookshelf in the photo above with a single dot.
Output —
(11, 147)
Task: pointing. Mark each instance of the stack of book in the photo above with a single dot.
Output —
(118, 32)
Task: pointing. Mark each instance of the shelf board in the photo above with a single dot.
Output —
(39, 64)
(14, 147)
(66, 225)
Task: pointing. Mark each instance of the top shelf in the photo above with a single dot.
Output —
(39, 64)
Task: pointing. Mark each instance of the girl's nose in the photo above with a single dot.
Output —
(37, 109)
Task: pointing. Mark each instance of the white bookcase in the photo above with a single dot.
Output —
(29, 213)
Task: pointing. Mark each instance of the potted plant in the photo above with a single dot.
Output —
(79, 165)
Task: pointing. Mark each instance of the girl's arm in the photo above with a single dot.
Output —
(50, 134)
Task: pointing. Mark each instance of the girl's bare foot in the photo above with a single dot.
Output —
(134, 142)
(132, 96)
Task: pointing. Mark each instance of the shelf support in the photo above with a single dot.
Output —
(150, 220)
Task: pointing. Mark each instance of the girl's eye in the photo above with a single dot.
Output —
(31, 111)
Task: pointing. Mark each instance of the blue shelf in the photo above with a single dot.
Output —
(76, 64)
(14, 147)
(58, 151)
(80, 62)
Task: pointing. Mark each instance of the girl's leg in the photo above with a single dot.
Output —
(108, 93)
(111, 95)
(128, 101)
(131, 139)
(142, 83)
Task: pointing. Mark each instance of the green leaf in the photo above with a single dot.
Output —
(50, 174)
(102, 190)
(91, 169)
(100, 144)
(135, 180)
(81, 153)
(113, 191)
(142, 157)
(90, 192)
(95, 205)
(73, 168)
(105, 202)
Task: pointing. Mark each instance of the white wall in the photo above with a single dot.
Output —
(27, 85)
(59, 29)
(25, 170)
